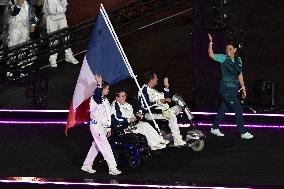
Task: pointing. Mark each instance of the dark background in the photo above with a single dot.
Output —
(168, 47)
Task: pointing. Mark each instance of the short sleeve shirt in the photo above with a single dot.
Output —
(231, 69)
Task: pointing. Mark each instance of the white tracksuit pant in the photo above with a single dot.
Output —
(153, 138)
(54, 25)
(172, 124)
(100, 144)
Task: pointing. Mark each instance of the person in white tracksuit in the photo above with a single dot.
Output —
(19, 22)
(100, 114)
(158, 103)
(54, 12)
(123, 115)
(20, 25)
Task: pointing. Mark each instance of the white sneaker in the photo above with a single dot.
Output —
(71, 59)
(88, 169)
(9, 74)
(165, 142)
(179, 143)
(114, 171)
(53, 63)
(159, 146)
(246, 135)
(216, 132)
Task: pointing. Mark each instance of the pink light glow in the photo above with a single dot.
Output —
(43, 181)
(205, 124)
(33, 122)
(246, 125)
(195, 113)
(35, 111)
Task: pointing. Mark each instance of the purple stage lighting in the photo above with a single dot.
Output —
(36, 111)
(24, 122)
(246, 125)
(195, 113)
(35, 180)
(205, 124)
(245, 114)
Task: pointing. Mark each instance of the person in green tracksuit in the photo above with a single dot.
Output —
(232, 77)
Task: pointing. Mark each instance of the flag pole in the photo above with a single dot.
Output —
(126, 62)
(110, 27)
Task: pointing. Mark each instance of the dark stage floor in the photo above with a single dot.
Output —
(44, 151)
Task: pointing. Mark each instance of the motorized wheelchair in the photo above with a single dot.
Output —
(194, 138)
(129, 147)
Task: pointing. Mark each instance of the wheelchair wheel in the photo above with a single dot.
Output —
(198, 146)
(197, 132)
(134, 162)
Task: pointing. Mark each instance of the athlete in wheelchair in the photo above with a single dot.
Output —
(136, 137)
(158, 103)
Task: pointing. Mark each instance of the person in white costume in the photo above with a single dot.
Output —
(54, 12)
(123, 115)
(100, 114)
(158, 103)
(21, 21)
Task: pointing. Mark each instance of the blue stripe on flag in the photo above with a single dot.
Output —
(103, 55)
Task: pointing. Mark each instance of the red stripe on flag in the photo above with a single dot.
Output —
(78, 116)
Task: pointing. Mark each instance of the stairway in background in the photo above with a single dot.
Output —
(35, 53)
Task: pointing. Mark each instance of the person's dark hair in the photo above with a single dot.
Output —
(148, 75)
(117, 93)
(233, 43)
(105, 84)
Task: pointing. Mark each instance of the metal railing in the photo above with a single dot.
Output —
(23, 60)
(26, 64)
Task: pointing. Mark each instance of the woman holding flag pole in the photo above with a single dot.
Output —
(105, 56)
(100, 114)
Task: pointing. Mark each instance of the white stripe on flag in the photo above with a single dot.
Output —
(86, 84)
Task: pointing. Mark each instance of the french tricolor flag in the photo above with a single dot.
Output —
(105, 57)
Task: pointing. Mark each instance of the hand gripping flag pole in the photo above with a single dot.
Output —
(127, 64)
